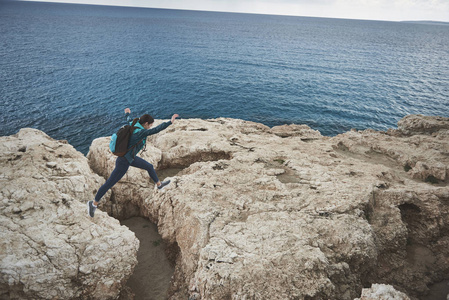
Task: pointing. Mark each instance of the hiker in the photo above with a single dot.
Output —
(122, 163)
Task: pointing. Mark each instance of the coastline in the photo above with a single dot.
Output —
(317, 216)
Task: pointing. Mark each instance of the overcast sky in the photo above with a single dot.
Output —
(391, 10)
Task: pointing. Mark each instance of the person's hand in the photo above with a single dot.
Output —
(173, 118)
(127, 111)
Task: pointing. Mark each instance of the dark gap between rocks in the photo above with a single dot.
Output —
(153, 273)
(438, 291)
(185, 161)
(418, 253)
(152, 276)
(411, 216)
(169, 172)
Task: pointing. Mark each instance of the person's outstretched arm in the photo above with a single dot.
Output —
(146, 132)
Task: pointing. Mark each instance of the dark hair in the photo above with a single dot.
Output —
(146, 118)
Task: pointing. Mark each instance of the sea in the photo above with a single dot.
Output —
(70, 70)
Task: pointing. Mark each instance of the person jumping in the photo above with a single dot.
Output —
(122, 163)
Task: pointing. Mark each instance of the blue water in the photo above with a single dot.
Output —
(70, 70)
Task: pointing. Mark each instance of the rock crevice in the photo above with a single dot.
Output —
(254, 212)
(254, 203)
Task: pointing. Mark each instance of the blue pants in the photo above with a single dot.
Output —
(121, 166)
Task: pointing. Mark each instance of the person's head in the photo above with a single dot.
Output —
(146, 121)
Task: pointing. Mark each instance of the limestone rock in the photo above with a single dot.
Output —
(50, 248)
(382, 292)
(419, 124)
(303, 131)
(253, 212)
(262, 213)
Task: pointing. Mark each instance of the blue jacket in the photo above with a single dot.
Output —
(140, 136)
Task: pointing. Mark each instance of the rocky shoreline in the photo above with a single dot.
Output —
(252, 213)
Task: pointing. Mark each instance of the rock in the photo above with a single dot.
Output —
(252, 212)
(303, 131)
(286, 213)
(382, 292)
(419, 124)
(50, 248)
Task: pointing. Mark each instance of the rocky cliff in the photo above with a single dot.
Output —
(252, 212)
(285, 213)
(49, 247)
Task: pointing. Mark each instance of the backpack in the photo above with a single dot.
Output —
(120, 140)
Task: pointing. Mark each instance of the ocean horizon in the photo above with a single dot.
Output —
(70, 69)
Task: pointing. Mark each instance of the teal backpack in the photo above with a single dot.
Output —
(120, 140)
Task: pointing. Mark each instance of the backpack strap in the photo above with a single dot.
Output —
(133, 127)
(134, 123)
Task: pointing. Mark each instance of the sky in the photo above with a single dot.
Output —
(387, 10)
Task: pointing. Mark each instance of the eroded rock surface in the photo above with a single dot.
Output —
(255, 213)
(382, 292)
(49, 247)
(285, 213)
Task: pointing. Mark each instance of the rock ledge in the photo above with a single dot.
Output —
(285, 213)
(50, 248)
